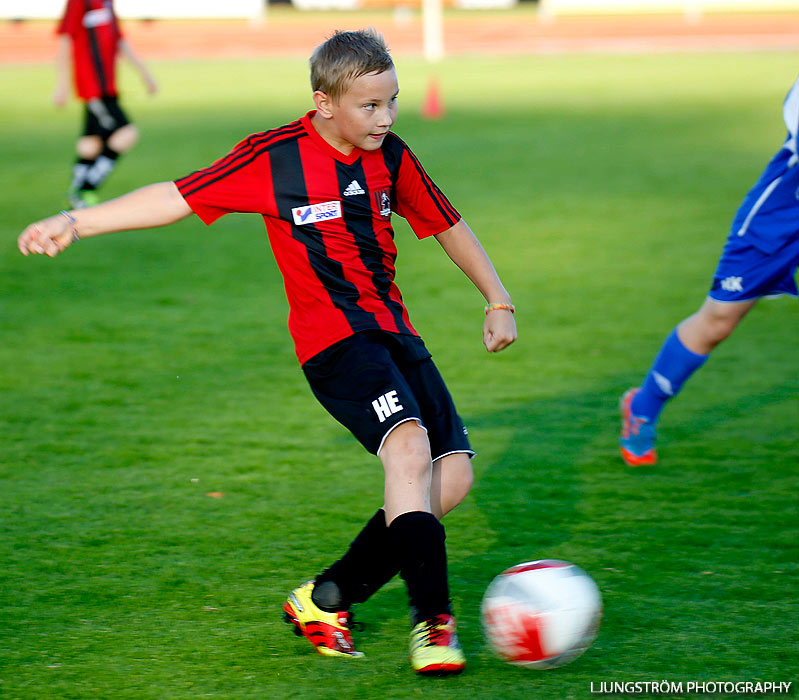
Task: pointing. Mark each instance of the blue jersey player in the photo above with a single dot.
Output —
(759, 259)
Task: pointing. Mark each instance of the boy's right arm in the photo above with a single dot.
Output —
(151, 206)
(62, 70)
(126, 50)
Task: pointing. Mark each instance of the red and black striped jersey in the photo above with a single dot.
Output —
(94, 30)
(328, 217)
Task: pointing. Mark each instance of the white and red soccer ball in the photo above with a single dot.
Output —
(542, 614)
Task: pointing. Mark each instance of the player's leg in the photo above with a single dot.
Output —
(88, 147)
(744, 275)
(683, 352)
(404, 537)
(418, 541)
(123, 139)
(361, 571)
(434, 642)
(369, 563)
(413, 543)
(373, 385)
(367, 566)
(452, 476)
(759, 259)
(358, 383)
(713, 323)
(117, 135)
(408, 467)
(451, 482)
(414, 532)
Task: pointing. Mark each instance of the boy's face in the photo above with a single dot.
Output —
(363, 114)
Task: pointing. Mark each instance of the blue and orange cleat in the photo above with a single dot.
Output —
(329, 632)
(637, 442)
(435, 650)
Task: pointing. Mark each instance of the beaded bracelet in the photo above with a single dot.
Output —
(498, 305)
(72, 224)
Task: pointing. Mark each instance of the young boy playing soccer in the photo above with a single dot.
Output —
(89, 39)
(759, 259)
(326, 186)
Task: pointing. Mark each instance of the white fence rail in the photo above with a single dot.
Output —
(689, 7)
(50, 9)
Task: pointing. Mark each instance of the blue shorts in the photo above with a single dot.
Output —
(761, 255)
(745, 272)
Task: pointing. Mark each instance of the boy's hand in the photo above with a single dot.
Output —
(47, 237)
(60, 96)
(150, 84)
(499, 330)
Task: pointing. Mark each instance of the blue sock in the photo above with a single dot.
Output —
(673, 365)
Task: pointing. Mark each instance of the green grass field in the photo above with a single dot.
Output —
(141, 371)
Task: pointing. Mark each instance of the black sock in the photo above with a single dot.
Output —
(417, 539)
(80, 172)
(366, 567)
(101, 168)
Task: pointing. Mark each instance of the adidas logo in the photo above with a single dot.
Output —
(352, 189)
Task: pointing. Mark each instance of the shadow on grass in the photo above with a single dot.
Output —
(558, 488)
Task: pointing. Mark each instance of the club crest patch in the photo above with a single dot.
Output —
(383, 203)
(316, 213)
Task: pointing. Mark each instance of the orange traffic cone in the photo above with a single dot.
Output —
(433, 107)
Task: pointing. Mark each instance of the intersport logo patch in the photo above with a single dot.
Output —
(96, 18)
(316, 213)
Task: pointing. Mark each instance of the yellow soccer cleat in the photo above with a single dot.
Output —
(435, 649)
(329, 632)
(80, 199)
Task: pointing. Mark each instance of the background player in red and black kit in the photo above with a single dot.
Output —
(326, 186)
(89, 39)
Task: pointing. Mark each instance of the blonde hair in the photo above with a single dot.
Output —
(346, 56)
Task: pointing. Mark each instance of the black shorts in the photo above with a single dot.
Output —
(375, 380)
(103, 117)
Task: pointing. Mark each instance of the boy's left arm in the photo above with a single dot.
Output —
(127, 51)
(463, 248)
(62, 63)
